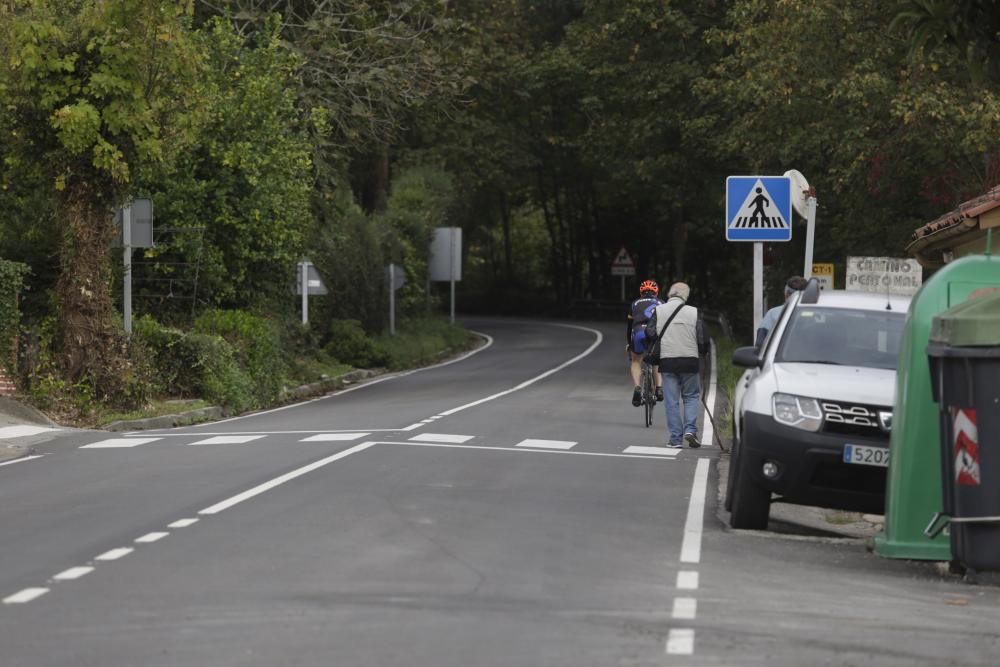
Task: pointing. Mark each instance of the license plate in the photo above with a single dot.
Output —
(866, 456)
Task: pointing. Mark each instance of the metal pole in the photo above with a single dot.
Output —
(623, 288)
(810, 235)
(758, 284)
(392, 299)
(304, 278)
(127, 246)
(453, 300)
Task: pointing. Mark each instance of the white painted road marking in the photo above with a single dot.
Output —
(547, 444)
(277, 481)
(227, 440)
(524, 450)
(685, 608)
(687, 580)
(21, 460)
(73, 573)
(182, 523)
(119, 442)
(691, 546)
(441, 437)
(334, 437)
(680, 642)
(655, 451)
(115, 554)
(22, 430)
(27, 595)
(151, 537)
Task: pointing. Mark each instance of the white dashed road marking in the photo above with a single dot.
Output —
(334, 437)
(27, 595)
(441, 437)
(655, 451)
(21, 460)
(182, 523)
(687, 580)
(685, 608)
(115, 554)
(547, 444)
(73, 573)
(227, 440)
(151, 537)
(680, 641)
(691, 546)
(119, 442)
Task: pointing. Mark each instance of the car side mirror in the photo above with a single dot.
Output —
(746, 357)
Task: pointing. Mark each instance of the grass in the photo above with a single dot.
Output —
(419, 342)
(156, 408)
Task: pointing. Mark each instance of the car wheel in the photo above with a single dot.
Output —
(751, 504)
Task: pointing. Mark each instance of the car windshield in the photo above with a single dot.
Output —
(841, 336)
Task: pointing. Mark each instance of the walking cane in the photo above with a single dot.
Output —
(715, 429)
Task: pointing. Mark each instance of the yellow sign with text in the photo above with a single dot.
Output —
(824, 273)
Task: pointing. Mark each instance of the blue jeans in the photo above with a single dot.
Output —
(679, 387)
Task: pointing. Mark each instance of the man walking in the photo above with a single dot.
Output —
(682, 342)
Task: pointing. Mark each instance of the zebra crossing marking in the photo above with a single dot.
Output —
(227, 440)
(119, 442)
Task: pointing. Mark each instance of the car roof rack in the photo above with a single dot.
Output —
(811, 293)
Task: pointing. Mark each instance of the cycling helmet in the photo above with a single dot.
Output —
(649, 286)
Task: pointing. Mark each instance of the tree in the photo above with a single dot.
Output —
(97, 91)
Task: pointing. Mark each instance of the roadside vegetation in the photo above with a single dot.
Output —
(345, 133)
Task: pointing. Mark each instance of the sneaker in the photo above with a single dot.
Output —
(692, 440)
(659, 394)
(674, 445)
(637, 396)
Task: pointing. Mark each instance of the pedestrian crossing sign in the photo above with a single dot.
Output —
(758, 208)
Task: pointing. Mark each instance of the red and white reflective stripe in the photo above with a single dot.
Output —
(966, 446)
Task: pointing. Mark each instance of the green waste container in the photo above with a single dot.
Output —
(964, 356)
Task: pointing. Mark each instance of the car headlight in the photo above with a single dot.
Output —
(797, 411)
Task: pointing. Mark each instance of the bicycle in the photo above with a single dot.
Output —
(647, 384)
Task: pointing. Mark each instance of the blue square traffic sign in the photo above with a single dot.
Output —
(758, 208)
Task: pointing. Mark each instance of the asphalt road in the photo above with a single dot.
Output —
(499, 510)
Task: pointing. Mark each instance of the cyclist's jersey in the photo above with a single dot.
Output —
(640, 312)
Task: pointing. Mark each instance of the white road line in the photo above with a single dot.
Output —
(115, 554)
(22, 430)
(334, 437)
(119, 442)
(687, 580)
(263, 433)
(691, 546)
(73, 573)
(27, 595)
(656, 451)
(227, 440)
(528, 383)
(182, 523)
(22, 459)
(707, 430)
(277, 481)
(441, 437)
(685, 609)
(547, 444)
(384, 378)
(680, 641)
(522, 450)
(151, 537)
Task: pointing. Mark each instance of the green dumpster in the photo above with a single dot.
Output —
(964, 356)
(913, 488)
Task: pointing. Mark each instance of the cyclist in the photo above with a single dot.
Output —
(635, 325)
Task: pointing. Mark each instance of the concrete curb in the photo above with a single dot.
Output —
(212, 413)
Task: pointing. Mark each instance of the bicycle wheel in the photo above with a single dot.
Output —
(648, 394)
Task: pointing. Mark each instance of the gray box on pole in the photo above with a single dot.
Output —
(445, 262)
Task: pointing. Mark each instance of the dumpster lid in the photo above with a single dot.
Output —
(975, 322)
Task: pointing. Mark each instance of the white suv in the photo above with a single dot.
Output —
(813, 413)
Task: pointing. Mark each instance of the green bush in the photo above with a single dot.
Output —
(349, 343)
(422, 341)
(257, 344)
(197, 364)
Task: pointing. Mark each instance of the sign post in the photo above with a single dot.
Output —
(758, 209)
(395, 278)
(446, 259)
(135, 220)
(308, 283)
(623, 266)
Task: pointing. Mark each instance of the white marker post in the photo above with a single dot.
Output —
(810, 234)
(758, 284)
(304, 277)
(392, 299)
